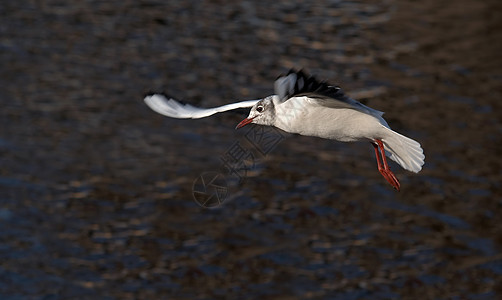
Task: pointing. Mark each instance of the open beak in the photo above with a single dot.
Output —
(244, 122)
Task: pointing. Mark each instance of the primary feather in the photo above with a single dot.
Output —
(174, 109)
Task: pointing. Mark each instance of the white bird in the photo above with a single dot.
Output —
(306, 106)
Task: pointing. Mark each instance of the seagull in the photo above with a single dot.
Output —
(306, 106)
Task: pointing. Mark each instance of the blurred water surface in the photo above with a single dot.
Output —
(96, 189)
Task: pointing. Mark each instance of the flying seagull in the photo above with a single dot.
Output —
(306, 106)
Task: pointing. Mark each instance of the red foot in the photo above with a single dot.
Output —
(384, 168)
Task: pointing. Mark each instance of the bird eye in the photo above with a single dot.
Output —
(259, 109)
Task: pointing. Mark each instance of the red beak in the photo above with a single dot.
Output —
(244, 123)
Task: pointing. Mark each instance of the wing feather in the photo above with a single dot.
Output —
(298, 83)
(174, 109)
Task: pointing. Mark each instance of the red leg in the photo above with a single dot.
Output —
(384, 168)
(381, 168)
(377, 156)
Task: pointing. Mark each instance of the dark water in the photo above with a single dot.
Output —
(96, 197)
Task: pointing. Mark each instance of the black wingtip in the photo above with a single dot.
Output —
(294, 71)
(298, 72)
(310, 84)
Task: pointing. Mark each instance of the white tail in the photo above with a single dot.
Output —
(403, 150)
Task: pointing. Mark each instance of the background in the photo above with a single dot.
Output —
(96, 189)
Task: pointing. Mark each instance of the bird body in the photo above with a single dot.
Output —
(305, 106)
(341, 124)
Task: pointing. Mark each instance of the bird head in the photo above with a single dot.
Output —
(262, 113)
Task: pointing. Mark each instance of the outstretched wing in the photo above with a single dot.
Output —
(298, 84)
(174, 109)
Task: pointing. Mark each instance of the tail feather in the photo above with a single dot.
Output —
(403, 150)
